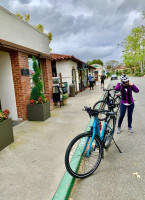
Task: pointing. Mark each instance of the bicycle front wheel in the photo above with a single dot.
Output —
(83, 155)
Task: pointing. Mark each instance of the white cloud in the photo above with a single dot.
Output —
(87, 29)
(129, 23)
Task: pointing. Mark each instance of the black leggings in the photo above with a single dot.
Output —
(91, 84)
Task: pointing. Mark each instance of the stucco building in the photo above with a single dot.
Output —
(19, 41)
(72, 70)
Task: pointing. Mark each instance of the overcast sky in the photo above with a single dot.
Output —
(87, 29)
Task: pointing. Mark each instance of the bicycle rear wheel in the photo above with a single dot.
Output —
(109, 132)
(117, 104)
(78, 162)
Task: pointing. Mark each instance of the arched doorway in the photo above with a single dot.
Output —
(74, 78)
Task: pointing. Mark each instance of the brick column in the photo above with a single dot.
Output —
(47, 72)
(21, 83)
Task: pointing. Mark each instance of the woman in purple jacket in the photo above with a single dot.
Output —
(126, 102)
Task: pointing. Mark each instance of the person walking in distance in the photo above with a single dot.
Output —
(102, 81)
(127, 102)
(90, 78)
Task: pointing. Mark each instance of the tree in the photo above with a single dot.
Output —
(39, 27)
(133, 54)
(36, 90)
(50, 37)
(19, 15)
(27, 17)
(98, 61)
(108, 67)
(134, 49)
(112, 63)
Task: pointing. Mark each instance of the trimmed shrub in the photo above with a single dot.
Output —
(36, 91)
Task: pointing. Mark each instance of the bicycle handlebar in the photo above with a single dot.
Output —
(95, 113)
(108, 90)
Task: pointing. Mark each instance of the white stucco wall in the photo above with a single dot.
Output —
(17, 31)
(65, 68)
(7, 93)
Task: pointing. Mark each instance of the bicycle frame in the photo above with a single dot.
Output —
(96, 131)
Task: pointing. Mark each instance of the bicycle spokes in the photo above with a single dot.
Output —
(83, 156)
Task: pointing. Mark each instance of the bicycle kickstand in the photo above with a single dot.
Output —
(117, 146)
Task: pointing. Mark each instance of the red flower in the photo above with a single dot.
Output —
(7, 111)
(40, 98)
(32, 101)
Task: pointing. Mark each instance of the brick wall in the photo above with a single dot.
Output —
(21, 83)
(47, 72)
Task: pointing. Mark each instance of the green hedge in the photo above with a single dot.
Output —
(139, 74)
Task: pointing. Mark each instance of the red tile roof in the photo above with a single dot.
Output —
(59, 57)
(121, 67)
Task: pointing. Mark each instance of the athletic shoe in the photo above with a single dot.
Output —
(130, 130)
(118, 130)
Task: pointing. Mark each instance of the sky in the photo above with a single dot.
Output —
(86, 29)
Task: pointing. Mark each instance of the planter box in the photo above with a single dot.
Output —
(38, 112)
(6, 133)
(65, 101)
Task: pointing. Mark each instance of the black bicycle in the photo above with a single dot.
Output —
(111, 102)
(85, 151)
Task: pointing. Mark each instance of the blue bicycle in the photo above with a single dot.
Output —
(86, 150)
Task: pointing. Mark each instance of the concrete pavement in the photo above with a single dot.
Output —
(120, 176)
(33, 166)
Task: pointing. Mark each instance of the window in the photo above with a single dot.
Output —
(31, 72)
(54, 72)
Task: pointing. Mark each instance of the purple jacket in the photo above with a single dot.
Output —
(134, 88)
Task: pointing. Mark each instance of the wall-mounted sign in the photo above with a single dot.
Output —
(85, 66)
(24, 72)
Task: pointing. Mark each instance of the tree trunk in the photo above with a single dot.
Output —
(141, 67)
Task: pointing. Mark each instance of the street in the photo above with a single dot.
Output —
(120, 176)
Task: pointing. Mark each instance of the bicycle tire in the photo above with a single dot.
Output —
(77, 163)
(117, 103)
(100, 105)
(108, 132)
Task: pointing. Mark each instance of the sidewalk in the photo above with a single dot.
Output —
(33, 166)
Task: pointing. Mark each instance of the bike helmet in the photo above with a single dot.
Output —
(124, 78)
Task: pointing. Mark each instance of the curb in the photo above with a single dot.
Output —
(67, 181)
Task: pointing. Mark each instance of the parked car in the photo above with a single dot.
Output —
(114, 77)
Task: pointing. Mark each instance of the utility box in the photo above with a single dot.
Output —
(72, 90)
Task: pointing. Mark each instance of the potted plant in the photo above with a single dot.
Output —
(39, 107)
(6, 130)
(64, 98)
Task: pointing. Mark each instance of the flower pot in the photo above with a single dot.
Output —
(65, 101)
(38, 112)
(6, 133)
